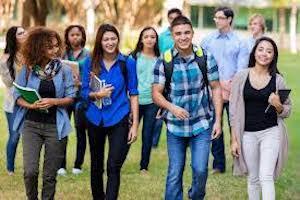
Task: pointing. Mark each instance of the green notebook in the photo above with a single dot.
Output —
(28, 94)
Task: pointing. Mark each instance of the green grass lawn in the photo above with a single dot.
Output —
(135, 186)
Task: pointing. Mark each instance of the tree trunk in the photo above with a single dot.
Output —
(36, 10)
(282, 27)
(293, 28)
(28, 9)
(40, 16)
(90, 17)
(90, 7)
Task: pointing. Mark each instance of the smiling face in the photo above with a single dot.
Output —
(52, 49)
(264, 53)
(20, 35)
(182, 35)
(149, 39)
(109, 42)
(255, 27)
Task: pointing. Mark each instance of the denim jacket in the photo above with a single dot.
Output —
(64, 87)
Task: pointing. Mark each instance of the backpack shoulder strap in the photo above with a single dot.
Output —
(201, 58)
(168, 69)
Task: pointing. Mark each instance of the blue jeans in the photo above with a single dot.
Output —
(200, 147)
(12, 142)
(217, 147)
(148, 113)
(157, 131)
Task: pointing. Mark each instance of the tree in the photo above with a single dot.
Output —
(281, 5)
(36, 11)
(126, 14)
(6, 12)
(74, 9)
(293, 27)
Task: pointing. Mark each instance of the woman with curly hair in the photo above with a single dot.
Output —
(45, 122)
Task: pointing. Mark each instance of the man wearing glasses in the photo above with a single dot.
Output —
(230, 55)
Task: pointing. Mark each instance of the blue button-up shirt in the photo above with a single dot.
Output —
(229, 52)
(111, 114)
(165, 41)
(186, 92)
(249, 44)
(64, 87)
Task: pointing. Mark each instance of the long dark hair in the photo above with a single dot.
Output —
(273, 70)
(97, 54)
(68, 29)
(11, 48)
(139, 46)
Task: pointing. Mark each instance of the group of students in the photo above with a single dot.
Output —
(166, 77)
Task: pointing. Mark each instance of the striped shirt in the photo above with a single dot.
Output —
(186, 92)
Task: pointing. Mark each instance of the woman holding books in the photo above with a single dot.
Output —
(111, 119)
(10, 65)
(259, 139)
(75, 39)
(146, 53)
(45, 122)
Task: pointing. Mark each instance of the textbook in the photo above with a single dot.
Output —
(96, 85)
(283, 95)
(30, 95)
(74, 67)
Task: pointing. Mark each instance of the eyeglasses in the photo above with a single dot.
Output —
(220, 18)
(21, 33)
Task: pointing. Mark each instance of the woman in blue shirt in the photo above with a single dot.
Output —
(146, 54)
(46, 121)
(119, 98)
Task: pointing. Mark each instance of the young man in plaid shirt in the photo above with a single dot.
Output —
(193, 118)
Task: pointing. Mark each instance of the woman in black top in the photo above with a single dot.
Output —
(258, 138)
(45, 122)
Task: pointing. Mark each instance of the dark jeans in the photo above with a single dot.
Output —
(199, 147)
(12, 142)
(157, 132)
(81, 127)
(148, 113)
(35, 135)
(118, 149)
(63, 164)
(217, 147)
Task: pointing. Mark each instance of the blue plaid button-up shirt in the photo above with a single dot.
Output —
(186, 92)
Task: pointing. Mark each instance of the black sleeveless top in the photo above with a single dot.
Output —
(256, 102)
(46, 90)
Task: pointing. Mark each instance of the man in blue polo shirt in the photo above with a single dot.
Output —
(231, 56)
(191, 119)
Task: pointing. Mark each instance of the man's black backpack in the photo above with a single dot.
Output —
(200, 58)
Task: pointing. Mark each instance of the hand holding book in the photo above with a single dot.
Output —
(32, 97)
(46, 103)
(100, 90)
(277, 99)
